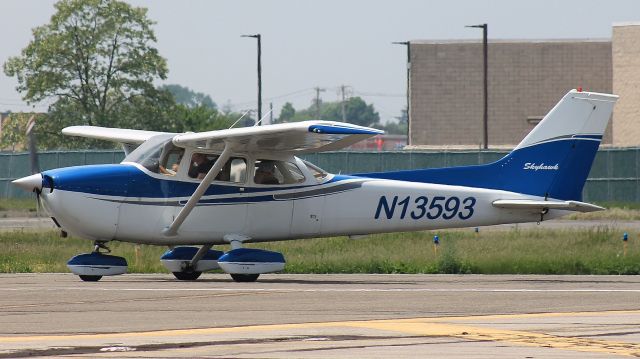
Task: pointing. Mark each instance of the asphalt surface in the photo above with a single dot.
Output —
(320, 316)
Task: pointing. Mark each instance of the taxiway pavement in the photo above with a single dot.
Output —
(320, 316)
(45, 223)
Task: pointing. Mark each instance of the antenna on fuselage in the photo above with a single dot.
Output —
(241, 117)
(263, 117)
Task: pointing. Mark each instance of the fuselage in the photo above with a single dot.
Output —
(127, 202)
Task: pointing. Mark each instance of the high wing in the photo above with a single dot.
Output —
(296, 137)
(130, 139)
(121, 135)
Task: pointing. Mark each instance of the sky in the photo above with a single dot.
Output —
(308, 44)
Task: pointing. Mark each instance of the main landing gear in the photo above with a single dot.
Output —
(244, 277)
(188, 263)
(243, 264)
(246, 264)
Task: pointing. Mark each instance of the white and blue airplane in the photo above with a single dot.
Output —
(192, 191)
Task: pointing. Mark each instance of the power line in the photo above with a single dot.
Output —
(377, 94)
(297, 93)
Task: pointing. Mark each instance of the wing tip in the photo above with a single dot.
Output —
(342, 128)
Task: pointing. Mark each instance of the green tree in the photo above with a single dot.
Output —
(199, 119)
(287, 113)
(393, 128)
(185, 96)
(356, 110)
(397, 127)
(95, 59)
(14, 129)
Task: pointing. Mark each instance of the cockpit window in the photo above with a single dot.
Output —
(170, 160)
(235, 170)
(277, 172)
(149, 153)
(318, 173)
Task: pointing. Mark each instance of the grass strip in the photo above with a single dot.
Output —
(530, 251)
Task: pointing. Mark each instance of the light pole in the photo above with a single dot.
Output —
(408, 44)
(259, 37)
(486, 87)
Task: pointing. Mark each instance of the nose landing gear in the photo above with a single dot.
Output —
(91, 267)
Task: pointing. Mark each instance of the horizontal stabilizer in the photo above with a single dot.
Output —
(539, 206)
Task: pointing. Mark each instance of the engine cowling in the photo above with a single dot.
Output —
(251, 261)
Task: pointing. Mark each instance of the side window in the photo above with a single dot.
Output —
(200, 165)
(265, 173)
(277, 172)
(235, 170)
(170, 163)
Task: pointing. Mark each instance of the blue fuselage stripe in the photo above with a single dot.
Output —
(556, 169)
(135, 186)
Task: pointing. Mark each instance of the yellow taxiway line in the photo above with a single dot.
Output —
(437, 326)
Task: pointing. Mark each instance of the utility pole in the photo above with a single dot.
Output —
(344, 112)
(318, 90)
(259, 37)
(270, 113)
(485, 51)
(408, 44)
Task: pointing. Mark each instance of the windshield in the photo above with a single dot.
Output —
(148, 153)
(318, 173)
(277, 172)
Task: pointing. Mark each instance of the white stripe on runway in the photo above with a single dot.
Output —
(347, 290)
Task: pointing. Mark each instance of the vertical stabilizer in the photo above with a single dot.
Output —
(578, 114)
(552, 161)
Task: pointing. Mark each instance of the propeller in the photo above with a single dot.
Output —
(33, 159)
(33, 148)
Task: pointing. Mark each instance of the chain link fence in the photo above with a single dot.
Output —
(614, 175)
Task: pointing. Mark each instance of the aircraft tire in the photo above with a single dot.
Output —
(245, 277)
(90, 278)
(187, 275)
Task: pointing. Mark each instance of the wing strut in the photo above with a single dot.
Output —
(172, 230)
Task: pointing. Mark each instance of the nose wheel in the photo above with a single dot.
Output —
(97, 246)
(91, 267)
(189, 275)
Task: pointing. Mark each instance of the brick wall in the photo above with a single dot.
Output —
(526, 79)
(626, 84)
